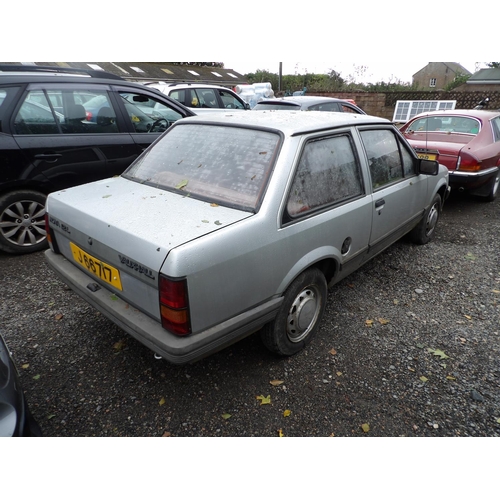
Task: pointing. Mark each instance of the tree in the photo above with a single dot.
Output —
(493, 65)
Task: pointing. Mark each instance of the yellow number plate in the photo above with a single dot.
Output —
(426, 156)
(97, 267)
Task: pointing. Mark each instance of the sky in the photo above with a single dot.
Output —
(363, 72)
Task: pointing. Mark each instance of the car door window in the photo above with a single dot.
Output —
(328, 173)
(206, 98)
(148, 114)
(326, 106)
(495, 123)
(384, 159)
(230, 101)
(35, 116)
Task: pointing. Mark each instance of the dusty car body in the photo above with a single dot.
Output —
(230, 225)
(467, 142)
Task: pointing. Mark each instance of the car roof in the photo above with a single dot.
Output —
(186, 85)
(304, 99)
(482, 114)
(288, 122)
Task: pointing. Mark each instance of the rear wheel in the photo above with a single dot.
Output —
(299, 316)
(424, 232)
(22, 222)
(493, 188)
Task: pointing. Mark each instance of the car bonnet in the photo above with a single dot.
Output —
(145, 221)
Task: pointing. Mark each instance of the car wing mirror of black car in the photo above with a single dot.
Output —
(428, 167)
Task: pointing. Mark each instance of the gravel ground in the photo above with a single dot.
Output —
(409, 346)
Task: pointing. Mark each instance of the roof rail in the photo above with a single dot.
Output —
(57, 69)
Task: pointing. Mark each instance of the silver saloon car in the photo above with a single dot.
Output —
(229, 225)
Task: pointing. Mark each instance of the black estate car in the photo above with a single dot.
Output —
(60, 128)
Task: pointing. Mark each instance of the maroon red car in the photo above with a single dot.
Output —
(465, 141)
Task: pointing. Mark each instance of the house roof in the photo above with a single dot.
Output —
(157, 71)
(455, 67)
(487, 75)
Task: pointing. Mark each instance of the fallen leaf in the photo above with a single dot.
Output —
(162, 401)
(498, 420)
(287, 413)
(36, 377)
(113, 297)
(369, 322)
(276, 382)
(339, 374)
(264, 400)
(424, 379)
(182, 184)
(280, 433)
(214, 205)
(205, 221)
(118, 346)
(59, 316)
(218, 223)
(365, 427)
(467, 316)
(438, 352)
(496, 291)
(470, 256)
(450, 377)
(107, 196)
(50, 417)
(226, 416)
(332, 352)
(166, 434)
(25, 366)
(383, 321)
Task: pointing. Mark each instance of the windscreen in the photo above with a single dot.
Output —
(222, 164)
(278, 105)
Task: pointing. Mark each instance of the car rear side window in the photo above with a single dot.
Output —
(328, 173)
(221, 164)
(35, 116)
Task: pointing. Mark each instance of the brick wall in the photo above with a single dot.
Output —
(383, 104)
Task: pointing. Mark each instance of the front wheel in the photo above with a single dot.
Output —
(22, 222)
(299, 315)
(424, 232)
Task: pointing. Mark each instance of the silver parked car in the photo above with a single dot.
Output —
(228, 225)
(309, 103)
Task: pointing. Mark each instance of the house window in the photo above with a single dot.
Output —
(432, 82)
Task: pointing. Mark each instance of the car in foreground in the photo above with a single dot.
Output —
(16, 419)
(194, 248)
(202, 98)
(467, 142)
(59, 130)
(308, 103)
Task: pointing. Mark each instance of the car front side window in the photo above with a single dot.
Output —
(328, 173)
(384, 159)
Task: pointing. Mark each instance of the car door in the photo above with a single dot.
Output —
(64, 145)
(328, 203)
(398, 193)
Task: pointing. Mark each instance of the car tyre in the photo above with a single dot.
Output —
(299, 315)
(493, 189)
(424, 231)
(22, 222)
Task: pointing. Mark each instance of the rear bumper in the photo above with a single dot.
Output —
(472, 180)
(176, 350)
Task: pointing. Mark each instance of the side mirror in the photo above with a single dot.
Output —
(428, 167)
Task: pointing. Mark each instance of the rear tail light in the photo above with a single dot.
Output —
(51, 240)
(468, 162)
(88, 115)
(174, 306)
